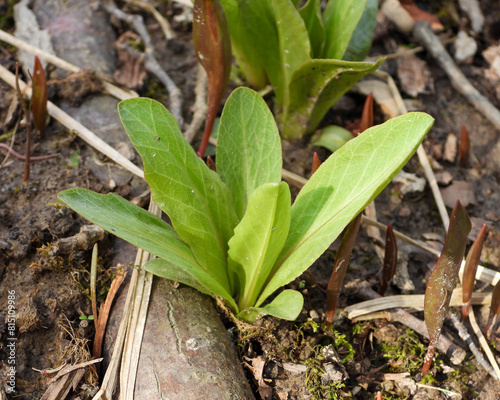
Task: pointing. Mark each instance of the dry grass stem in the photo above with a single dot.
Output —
(200, 104)
(413, 301)
(113, 90)
(150, 62)
(73, 125)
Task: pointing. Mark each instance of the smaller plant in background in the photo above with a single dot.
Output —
(300, 52)
(235, 234)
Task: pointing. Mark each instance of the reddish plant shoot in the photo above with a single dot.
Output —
(39, 97)
(367, 116)
(316, 163)
(390, 260)
(379, 396)
(444, 278)
(340, 267)
(213, 49)
(464, 148)
(494, 310)
(470, 269)
(211, 164)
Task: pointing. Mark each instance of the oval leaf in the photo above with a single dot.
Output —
(198, 203)
(259, 238)
(343, 186)
(287, 305)
(248, 146)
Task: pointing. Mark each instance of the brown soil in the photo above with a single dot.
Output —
(51, 291)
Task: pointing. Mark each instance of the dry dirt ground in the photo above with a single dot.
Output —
(51, 289)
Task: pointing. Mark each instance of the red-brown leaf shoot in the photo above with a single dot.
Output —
(39, 97)
(390, 260)
(213, 49)
(464, 148)
(470, 269)
(367, 116)
(340, 267)
(444, 278)
(494, 310)
(316, 163)
(211, 164)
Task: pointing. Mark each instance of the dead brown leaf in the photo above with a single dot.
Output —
(131, 72)
(415, 76)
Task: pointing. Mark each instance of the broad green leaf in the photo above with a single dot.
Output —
(198, 203)
(244, 51)
(361, 39)
(202, 281)
(444, 278)
(342, 186)
(248, 147)
(314, 88)
(340, 19)
(311, 14)
(332, 137)
(259, 238)
(287, 305)
(279, 37)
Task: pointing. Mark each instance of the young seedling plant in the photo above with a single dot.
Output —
(235, 234)
(444, 278)
(302, 53)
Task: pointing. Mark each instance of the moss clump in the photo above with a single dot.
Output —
(314, 383)
(406, 353)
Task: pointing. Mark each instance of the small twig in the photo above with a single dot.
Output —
(150, 62)
(165, 26)
(93, 282)
(413, 301)
(363, 290)
(462, 331)
(200, 105)
(424, 34)
(10, 150)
